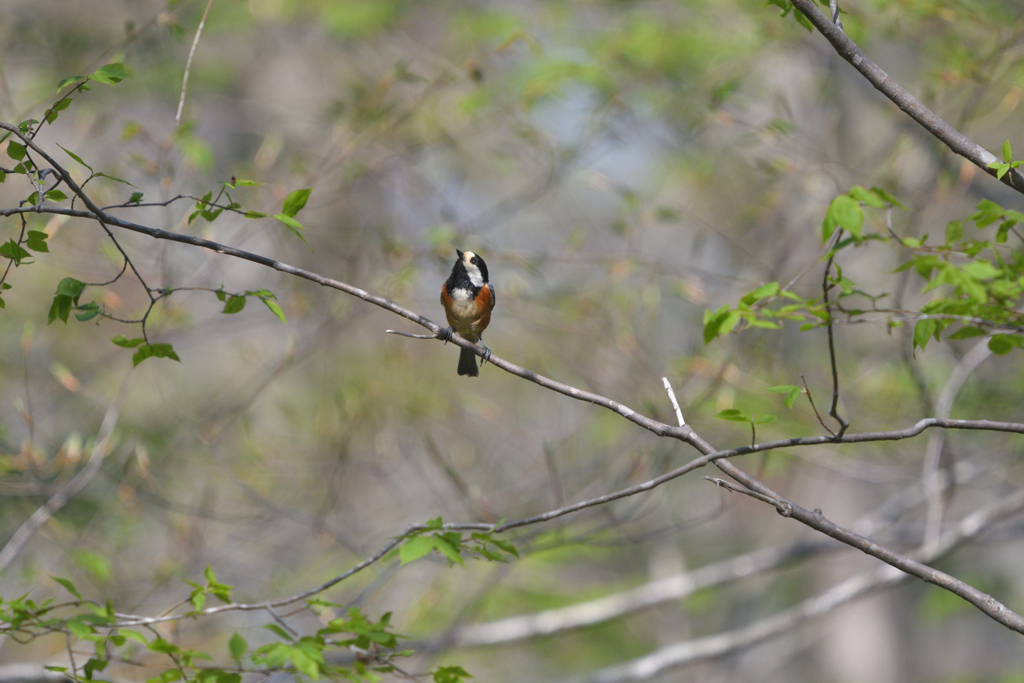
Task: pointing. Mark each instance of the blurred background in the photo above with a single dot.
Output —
(622, 166)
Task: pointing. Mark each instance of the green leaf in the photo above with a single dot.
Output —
(13, 251)
(70, 587)
(415, 548)
(255, 214)
(923, 331)
(733, 415)
(720, 322)
(292, 225)
(843, 212)
(954, 231)
(154, 351)
(54, 111)
(94, 563)
(133, 635)
(110, 74)
(1000, 168)
(449, 547)
(279, 631)
(764, 419)
(79, 628)
(163, 646)
(16, 150)
(234, 304)
(55, 196)
(980, 269)
(119, 180)
(506, 546)
(124, 342)
(68, 81)
(450, 674)
(87, 311)
(1002, 344)
(37, 241)
(168, 676)
(75, 157)
(295, 201)
(884, 194)
(237, 646)
(135, 198)
(68, 291)
(763, 292)
(1007, 152)
(94, 665)
(866, 196)
(274, 308)
(238, 182)
(791, 391)
(967, 333)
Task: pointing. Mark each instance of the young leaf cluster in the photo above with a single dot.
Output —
(977, 282)
(451, 545)
(303, 656)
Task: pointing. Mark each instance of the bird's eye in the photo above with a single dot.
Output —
(474, 260)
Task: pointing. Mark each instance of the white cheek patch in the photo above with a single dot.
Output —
(475, 276)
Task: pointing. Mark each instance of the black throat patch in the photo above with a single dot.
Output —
(459, 279)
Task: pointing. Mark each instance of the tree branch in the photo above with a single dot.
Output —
(929, 120)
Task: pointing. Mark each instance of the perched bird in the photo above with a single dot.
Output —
(468, 298)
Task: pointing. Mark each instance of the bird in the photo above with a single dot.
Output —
(468, 297)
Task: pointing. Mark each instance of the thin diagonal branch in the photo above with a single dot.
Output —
(929, 120)
(817, 521)
(833, 410)
(709, 647)
(188, 64)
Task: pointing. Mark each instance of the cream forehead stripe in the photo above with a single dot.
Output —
(475, 276)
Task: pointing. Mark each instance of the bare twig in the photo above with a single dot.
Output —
(807, 390)
(833, 411)
(188, 64)
(675, 403)
(784, 508)
(833, 5)
(412, 336)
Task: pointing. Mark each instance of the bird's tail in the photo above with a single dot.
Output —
(467, 363)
